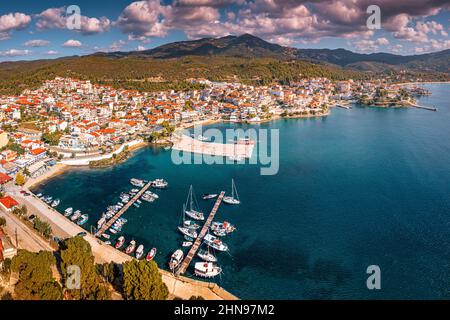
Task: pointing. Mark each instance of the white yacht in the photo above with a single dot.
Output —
(215, 243)
(160, 184)
(137, 182)
(176, 259)
(206, 269)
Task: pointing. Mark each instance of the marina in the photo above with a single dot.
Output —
(110, 223)
(185, 264)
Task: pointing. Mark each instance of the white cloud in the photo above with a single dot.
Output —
(12, 21)
(72, 43)
(14, 53)
(37, 43)
(52, 52)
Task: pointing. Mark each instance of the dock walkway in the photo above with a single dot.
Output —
(110, 222)
(187, 260)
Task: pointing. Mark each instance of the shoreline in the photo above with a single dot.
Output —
(54, 171)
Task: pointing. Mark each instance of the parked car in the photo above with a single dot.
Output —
(82, 234)
(31, 217)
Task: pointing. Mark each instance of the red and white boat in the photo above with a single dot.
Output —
(120, 242)
(131, 247)
(207, 269)
(151, 254)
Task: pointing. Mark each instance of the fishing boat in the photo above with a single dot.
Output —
(187, 243)
(190, 224)
(120, 242)
(160, 184)
(176, 259)
(76, 215)
(192, 213)
(68, 212)
(188, 232)
(206, 269)
(140, 251)
(208, 196)
(137, 182)
(206, 256)
(215, 243)
(83, 219)
(55, 203)
(151, 254)
(222, 228)
(131, 247)
(234, 199)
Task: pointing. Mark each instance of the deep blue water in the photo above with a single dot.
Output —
(360, 187)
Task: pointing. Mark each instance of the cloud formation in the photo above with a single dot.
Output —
(13, 21)
(72, 43)
(37, 43)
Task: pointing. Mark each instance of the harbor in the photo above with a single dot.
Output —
(300, 234)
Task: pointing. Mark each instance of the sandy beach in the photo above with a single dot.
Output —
(52, 172)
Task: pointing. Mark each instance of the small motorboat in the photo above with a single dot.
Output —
(131, 247)
(120, 242)
(208, 196)
(187, 243)
(83, 219)
(151, 254)
(55, 203)
(139, 251)
(68, 212)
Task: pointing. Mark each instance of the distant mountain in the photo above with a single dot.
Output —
(249, 46)
(246, 58)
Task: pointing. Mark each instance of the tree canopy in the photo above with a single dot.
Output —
(142, 281)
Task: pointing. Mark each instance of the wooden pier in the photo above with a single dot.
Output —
(187, 260)
(110, 222)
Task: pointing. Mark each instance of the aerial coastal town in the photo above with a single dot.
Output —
(70, 122)
(74, 119)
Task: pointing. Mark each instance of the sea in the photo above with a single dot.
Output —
(359, 188)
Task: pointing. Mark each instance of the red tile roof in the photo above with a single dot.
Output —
(8, 202)
(4, 178)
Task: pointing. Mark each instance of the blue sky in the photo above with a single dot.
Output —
(31, 29)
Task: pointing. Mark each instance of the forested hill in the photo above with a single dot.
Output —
(245, 58)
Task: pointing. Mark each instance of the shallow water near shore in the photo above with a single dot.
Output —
(360, 187)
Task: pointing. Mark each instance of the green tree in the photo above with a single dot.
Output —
(77, 251)
(2, 222)
(36, 281)
(43, 227)
(142, 281)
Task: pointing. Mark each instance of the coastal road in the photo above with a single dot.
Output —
(26, 238)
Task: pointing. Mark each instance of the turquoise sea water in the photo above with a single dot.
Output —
(361, 187)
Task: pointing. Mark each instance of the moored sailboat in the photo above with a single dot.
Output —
(192, 212)
(234, 198)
